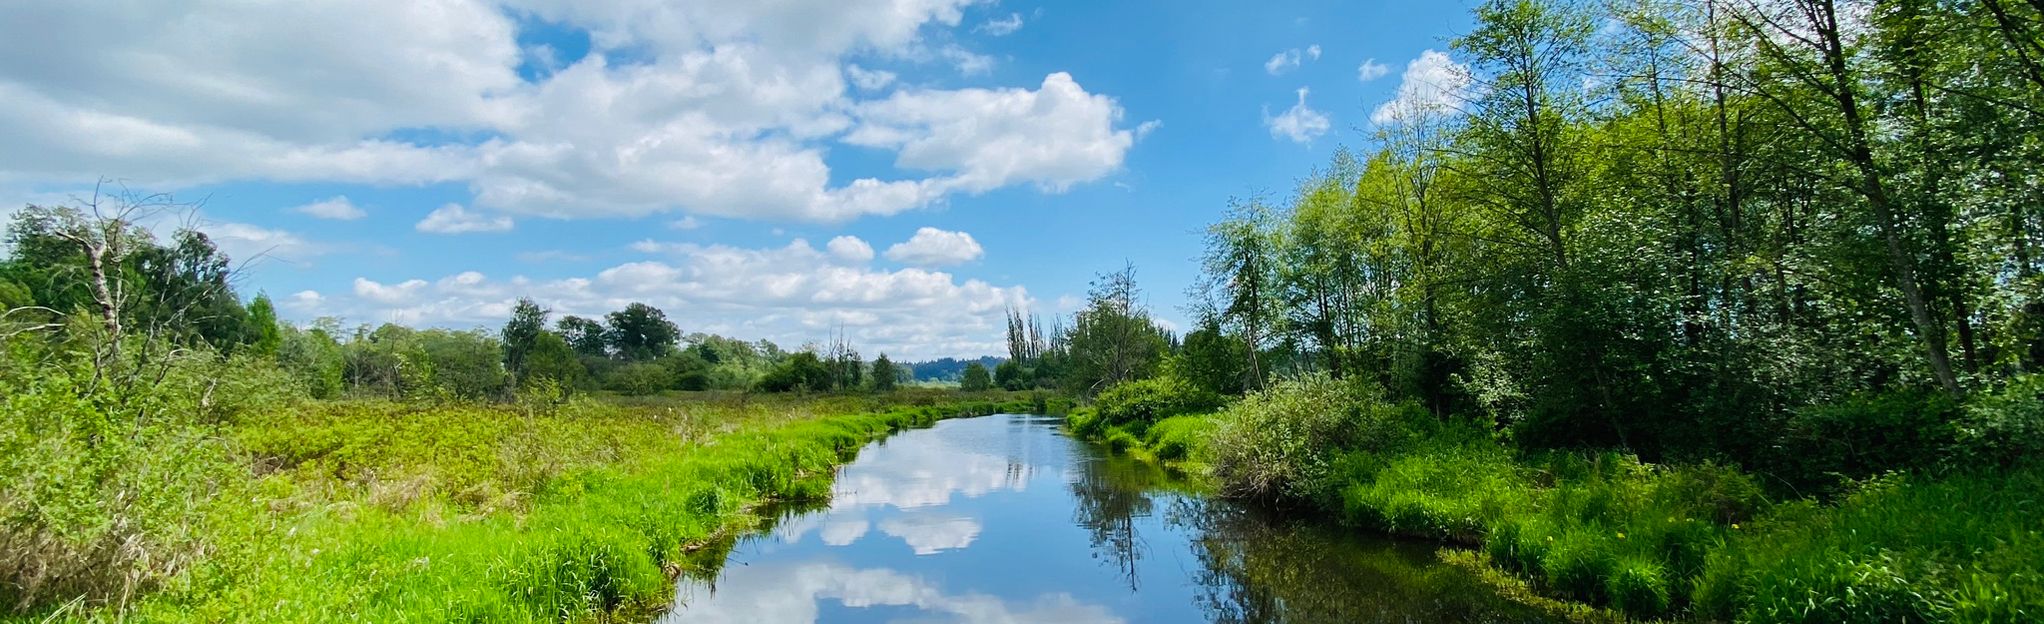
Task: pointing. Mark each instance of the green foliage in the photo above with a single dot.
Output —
(551, 360)
(1140, 403)
(520, 335)
(265, 334)
(885, 375)
(975, 378)
(1277, 443)
(639, 378)
(1213, 361)
(1961, 549)
(1113, 339)
(1822, 448)
(2004, 427)
(802, 371)
(108, 493)
(640, 332)
(1179, 438)
(463, 365)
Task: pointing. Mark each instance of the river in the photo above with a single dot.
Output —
(1005, 519)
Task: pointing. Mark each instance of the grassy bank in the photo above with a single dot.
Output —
(285, 510)
(1605, 529)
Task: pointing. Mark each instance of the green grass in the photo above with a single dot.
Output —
(1647, 540)
(390, 512)
(1965, 548)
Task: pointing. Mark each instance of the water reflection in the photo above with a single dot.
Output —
(809, 592)
(1003, 519)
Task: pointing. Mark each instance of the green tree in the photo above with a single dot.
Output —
(976, 378)
(528, 321)
(1113, 339)
(1009, 375)
(551, 359)
(885, 375)
(640, 332)
(586, 336)
(802, 371)
(266, 336)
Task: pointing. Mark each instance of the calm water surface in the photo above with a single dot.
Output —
(1004, 519)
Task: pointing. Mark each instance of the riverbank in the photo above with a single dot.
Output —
(399, 512)
(1607, 530)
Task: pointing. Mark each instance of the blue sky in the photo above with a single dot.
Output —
(901, 169)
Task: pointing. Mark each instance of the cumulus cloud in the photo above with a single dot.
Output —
(933, 247)
(708, 108)
(1054, 136)
(1433, 84)
(850, 249)
(791, 295)
(1002, 27)
(337, 208)
(1371, 70)
(454, 219)
(1300, 123)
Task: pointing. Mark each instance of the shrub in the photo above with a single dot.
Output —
(1824, 447)
(107, 493)
(1143, 402)
(639, 379)
(2004, 427)
(1179, 437)
(1278, 443)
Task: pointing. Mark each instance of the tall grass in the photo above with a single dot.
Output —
(222, 496)
(1652, 540)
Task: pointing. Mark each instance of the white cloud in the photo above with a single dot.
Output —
(550, 255)
(850, 249)
(400, 293)
(933, 247)
(869, 79)
(305, 301)
(722, 109)
(1371, 70)
(454, 219)
(1055, 136)
(1290, 59)
(791, 295)
(1300, 123)
(1433, 84)
(968, 62)
(337, 208)
(245, 243)
(1002, 27)
(684, 223)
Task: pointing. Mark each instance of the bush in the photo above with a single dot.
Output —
(639, 379)
(108, 493)
(2004, 427)
(1824, 447)
(1179, 437)
(1278, 443)
(1140, 403)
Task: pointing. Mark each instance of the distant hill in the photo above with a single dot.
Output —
(949, 369)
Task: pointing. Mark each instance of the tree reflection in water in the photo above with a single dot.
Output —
(1256, 567)
(1110, 493)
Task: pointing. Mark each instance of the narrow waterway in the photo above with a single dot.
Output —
(1005, 519)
